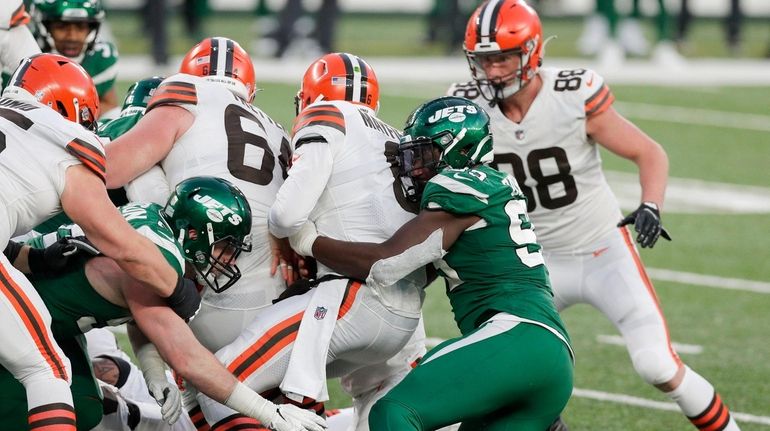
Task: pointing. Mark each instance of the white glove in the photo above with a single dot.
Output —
(288, 417)
(166, 394)
(284, 417)
(302, 241)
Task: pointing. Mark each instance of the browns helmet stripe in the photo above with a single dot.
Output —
(364, 79)
(229, 58)
(348, 75)
(487, 26)
(16, 79)
(213, 56)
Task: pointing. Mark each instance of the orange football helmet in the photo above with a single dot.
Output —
(504, 27)
(222, 60)
(339, 76)
(59, 82)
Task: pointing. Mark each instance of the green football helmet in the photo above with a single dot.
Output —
(445, 132)
(140, 93)
(211, 219)
(46, 12)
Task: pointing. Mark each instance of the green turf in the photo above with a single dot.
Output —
(729, 325)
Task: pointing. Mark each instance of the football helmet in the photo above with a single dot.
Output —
(339, 76)
(504, 27)
(211, 219)
(445, 132)
(46, 12)
(222, 60)
(59, 82)
(140, 93)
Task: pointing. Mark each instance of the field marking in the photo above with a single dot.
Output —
(709, 280)
(617, 340)
(702, 117)
(656, 405)
(692, 196)
(631, 400)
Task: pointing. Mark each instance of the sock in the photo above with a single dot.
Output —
(702, 404)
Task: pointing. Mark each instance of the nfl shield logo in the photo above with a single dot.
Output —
(320, 313)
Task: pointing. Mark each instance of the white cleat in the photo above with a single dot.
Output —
(596, 32)
(631, 37)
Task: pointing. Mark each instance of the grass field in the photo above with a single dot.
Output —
(730, 325)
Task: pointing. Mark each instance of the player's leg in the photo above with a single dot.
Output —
(620, 288)
(30, 353)
(489, 370)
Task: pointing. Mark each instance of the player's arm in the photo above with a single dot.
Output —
(146, 144)
(420, 241)
(86, 202)
(18, 44)
(303, 187)
(620, 136)
(181, 350)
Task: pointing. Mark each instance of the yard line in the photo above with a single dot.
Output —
(709, 280)
(686, 115)
(617, 340)
(657, 405)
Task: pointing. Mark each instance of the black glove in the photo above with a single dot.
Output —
(299, 287)
(185, 300)
(56, 256)
(646, 220)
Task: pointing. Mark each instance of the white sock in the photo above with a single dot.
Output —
(701, 404)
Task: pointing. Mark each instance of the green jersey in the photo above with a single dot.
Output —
(74, 305)
(101, 63)
(496, 264)
(114, 128)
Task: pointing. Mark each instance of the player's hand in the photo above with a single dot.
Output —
(55, 257)
(185, 300)
(284, 259)
(168, 397)
(646, 220)
(288, 417)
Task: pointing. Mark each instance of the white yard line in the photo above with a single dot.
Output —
(656, 405)
(617, 340)
(709, 280)
(703, 117)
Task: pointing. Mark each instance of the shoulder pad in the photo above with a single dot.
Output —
(174, 90)
(322, 114)
(589, 87)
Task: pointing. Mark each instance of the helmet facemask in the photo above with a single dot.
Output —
(215, 262)
(498, 89)
(418, 161)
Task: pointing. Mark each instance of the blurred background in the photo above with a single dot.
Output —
(693, 74)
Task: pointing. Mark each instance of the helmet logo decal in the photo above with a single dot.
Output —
(217, 212)
(455, 114)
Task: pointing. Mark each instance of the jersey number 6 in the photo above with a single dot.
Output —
(238, 139)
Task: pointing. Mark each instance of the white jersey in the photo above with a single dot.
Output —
(16, 41)
(37, 145)
(343, 180)
(234, 140)
(556, 164)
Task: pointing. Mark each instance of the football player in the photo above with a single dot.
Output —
(206, 223)
(50, 160)
(71, 28)
(342, 179)
(16, 41)
(548, 125)
(201, 122)
(514, 351)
